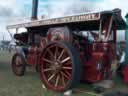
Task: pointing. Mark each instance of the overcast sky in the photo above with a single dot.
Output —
(15, 11)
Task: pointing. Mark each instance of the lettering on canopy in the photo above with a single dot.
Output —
(69, 19)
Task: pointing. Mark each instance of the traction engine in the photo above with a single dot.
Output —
(69, 49)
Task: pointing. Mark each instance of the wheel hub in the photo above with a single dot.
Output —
(57, 67)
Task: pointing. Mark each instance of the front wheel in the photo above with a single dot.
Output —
(60, 66)
(18, 64)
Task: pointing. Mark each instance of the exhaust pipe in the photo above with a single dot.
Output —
(34, 10)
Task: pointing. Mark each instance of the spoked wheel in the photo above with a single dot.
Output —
(60, 66)
(18, 64)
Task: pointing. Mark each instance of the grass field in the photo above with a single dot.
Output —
(30, 84)
(27, 85)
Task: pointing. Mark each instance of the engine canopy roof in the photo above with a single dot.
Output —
(92, 19)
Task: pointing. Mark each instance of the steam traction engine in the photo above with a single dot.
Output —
(68, 49)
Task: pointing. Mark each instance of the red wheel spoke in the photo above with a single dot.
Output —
(65, 75)
(68, 73)
(51, 54)
(68, 63)
(68, 68)
(61, 54)
(65, 60)
(48, 69)
(51, 77)
(48, 61)
(63, 81)
(57, 81)
(56, 53)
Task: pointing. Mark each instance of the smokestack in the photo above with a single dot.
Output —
(34, 9)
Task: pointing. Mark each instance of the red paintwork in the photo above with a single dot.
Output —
(125, 74)
(90, 73)
(32, 56)
(34, 52)
(102, 52)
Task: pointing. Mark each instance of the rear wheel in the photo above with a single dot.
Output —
(60, 66)
(18, 64)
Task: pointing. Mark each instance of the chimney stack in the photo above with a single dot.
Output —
(34, 10)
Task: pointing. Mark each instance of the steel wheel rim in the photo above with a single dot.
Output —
(56, 67)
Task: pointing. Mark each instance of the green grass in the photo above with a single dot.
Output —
(11, 85)
(30, 84)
